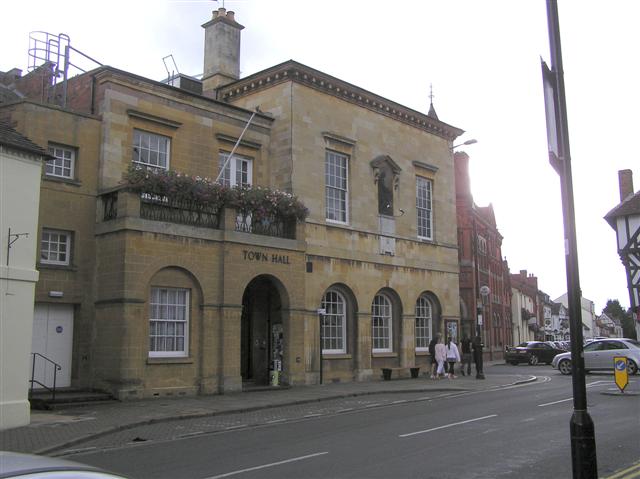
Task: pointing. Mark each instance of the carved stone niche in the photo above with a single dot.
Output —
(386, 176)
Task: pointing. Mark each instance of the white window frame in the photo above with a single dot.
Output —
(53, 244)
(482, 245)
(424, 321)
(424, 208)
(236, 167)
(334, 163)
(146, 145)
(168, 316)
(334, 321)
(382, 322)
(64, 163)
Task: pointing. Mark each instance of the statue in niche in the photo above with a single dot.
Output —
(386, 177)
(385, 190)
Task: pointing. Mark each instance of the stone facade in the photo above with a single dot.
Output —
(254, 303)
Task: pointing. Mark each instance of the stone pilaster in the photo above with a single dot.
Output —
(231, 329)
(311, 340)
(211, 346)
(408, 342)
(301, 347)
(363, 369)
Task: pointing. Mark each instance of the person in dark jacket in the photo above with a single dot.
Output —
(432, 353)
(477, 356)
(465, 346)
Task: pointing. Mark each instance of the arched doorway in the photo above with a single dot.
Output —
(262, 344)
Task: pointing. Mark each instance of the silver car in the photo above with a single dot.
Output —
(599, 354)
(29, 466)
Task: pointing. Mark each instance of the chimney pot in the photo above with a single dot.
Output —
(231, 15)
(625, 181)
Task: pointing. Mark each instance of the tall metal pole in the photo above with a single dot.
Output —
(583, 444)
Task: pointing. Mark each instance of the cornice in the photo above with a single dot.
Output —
(296, 72)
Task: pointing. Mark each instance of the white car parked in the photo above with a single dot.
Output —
(599, 354)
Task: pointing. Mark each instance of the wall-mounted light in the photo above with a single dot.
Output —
(473, 141)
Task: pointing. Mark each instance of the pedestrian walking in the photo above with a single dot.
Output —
(432, 353)
(453, 356)
(441, 357)
(465, 346)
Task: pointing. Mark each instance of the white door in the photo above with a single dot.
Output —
(53, 339)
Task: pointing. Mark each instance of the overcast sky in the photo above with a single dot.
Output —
(483, 60)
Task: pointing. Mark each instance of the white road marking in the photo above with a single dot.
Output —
(189, 434)
(236, 427)
(79, 450)
(595, 383)
(555, 402)
(345, 410)
(448, 425)
(273, 421)
(264, 466)
(372, 405)
(312, 415)
(399, 401)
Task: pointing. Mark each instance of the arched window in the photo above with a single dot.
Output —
(381, 324)
(423, 323)
(334, 323)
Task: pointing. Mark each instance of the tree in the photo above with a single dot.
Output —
(614, 309)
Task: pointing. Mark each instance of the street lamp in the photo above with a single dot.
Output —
(468, 142)
(484, 293)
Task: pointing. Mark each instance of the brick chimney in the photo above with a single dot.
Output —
(625, 180)
(221, 51)
(461, 165)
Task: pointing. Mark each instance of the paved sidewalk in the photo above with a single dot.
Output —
(54, 430)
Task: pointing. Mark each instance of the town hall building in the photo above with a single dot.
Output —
(148, 294)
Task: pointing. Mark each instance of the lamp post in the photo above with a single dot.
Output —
(583, 442)
(477, 343)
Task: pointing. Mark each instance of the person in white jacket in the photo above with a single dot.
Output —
(441, 356)
(453, 356)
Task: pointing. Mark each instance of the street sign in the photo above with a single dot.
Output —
(620, 372)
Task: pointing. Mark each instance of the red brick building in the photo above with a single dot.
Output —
(481, 264)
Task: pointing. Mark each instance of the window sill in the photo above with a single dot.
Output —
(65, 267)
(422, 353)
(169, 360)
(336, 222)
(336, 356)
(384, 355)
(59, 179)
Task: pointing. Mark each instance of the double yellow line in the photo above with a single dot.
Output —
(628, 473)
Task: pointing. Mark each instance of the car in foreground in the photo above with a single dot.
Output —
(599, 354)
(30, 466)
(531, 352)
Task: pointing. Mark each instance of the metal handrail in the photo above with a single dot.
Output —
(56, 368)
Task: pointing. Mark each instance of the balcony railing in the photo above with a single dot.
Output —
(123, 203)
(269, 226)
(182, 212)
